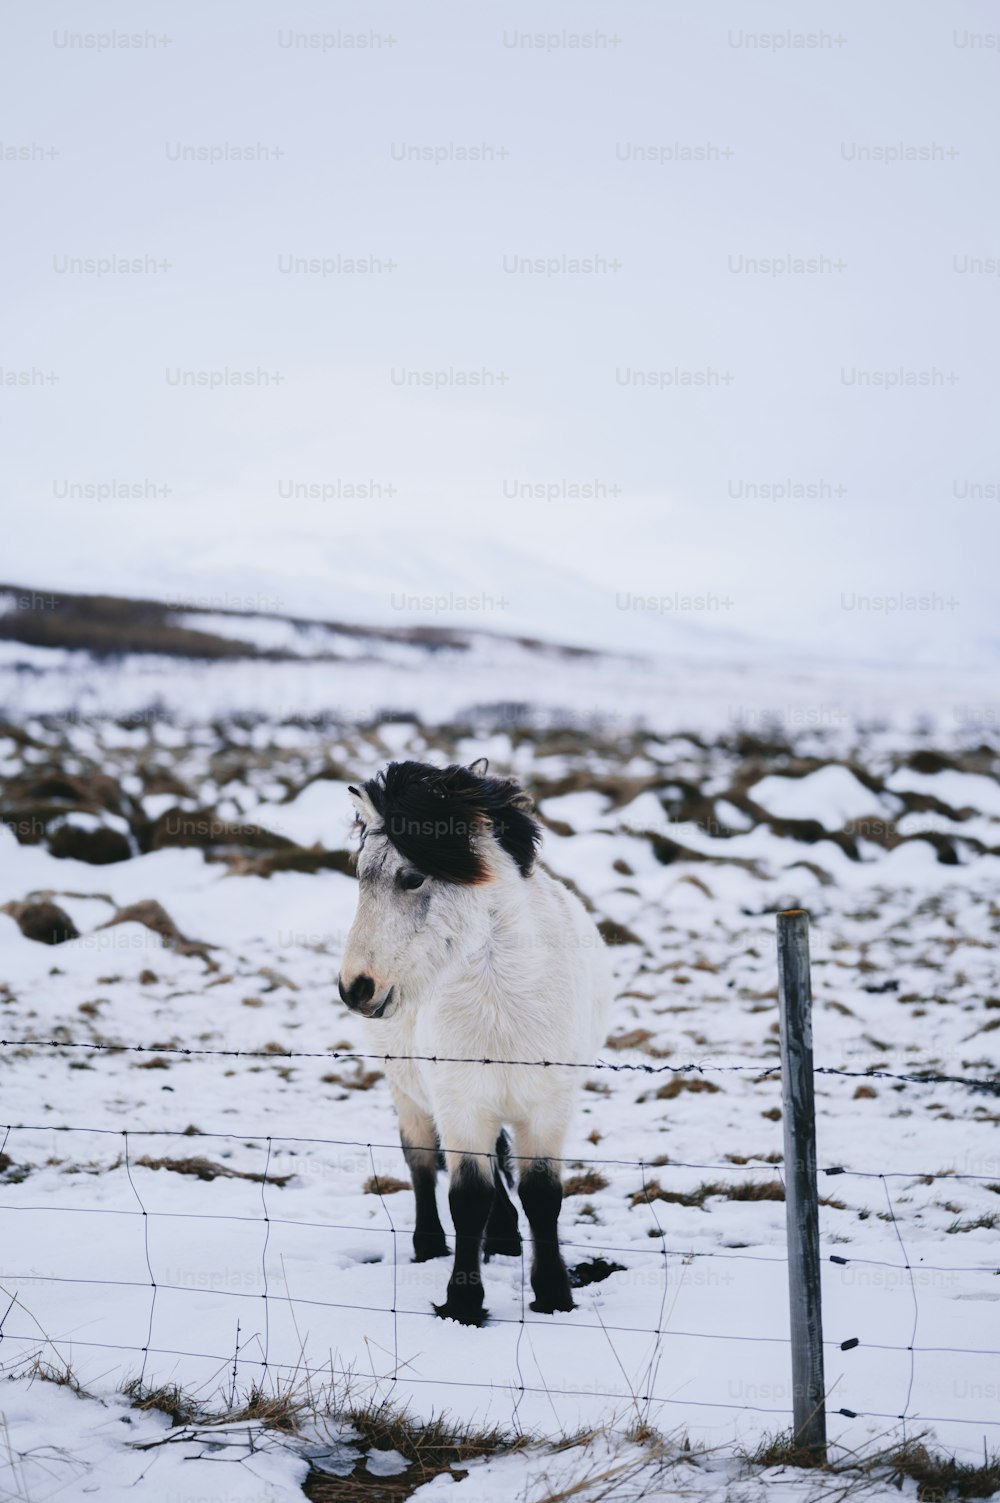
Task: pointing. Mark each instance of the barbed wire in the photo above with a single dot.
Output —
(988, 1085)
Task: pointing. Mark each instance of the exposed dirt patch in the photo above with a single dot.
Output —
(100, 847)
(310, 859)
(679, 1083)
(45, 922)
(208, 1169)
(152, 915)
(587, 1183)
(617, 934)
(384, 1184)
(767, 1189)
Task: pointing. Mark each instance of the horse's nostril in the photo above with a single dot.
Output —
(361, 990)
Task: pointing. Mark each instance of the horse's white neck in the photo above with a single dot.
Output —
(498, 941)
(502, 946)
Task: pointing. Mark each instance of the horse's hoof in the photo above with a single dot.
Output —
(550, 1306)
(552, 1294)
(503, 1247)
(466, 1315)
(428, 1248)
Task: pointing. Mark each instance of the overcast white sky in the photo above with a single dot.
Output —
(782, 127)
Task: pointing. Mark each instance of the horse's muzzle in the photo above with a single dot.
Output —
(358, 996)
(360, 991)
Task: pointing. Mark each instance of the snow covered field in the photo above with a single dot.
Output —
(227, 1207)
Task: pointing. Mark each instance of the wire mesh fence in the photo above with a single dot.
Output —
(270, 1304)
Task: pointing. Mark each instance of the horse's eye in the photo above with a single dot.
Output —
(410, 881)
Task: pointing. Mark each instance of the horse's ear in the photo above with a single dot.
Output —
(362, 804)
(480, 767)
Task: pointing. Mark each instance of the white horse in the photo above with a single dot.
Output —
(463, 949)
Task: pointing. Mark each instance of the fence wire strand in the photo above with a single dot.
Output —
(916, 1306)
(149, 1266)
(395, 1266)
(753, 1166)
(762, 1072)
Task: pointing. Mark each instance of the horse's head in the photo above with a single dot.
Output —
(431, 840)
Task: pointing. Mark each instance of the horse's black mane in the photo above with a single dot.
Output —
(432, 814)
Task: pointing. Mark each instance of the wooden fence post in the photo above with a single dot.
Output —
(801, 1203)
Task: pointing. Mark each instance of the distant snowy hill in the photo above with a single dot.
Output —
(387, 577)
(229, 652)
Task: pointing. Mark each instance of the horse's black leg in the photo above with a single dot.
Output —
(428, 1235)
(540, 1189)
(419, 1138)
(502, 1234)
(470, 1196)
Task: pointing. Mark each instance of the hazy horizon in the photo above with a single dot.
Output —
(570, 296)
